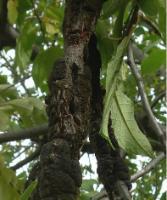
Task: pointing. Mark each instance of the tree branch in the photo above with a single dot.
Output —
(144, 99)
(24, 134)
(160, 96)
(150, 24)
(27, 160)
(29, 133)
(134, 177)
(148, 167)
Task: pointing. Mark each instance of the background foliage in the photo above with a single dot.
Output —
(24, 71)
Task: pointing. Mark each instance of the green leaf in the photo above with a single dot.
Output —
(106, 49)
(102, 28)
(8, 184)
(52, 17)
(126, 130)
(23, 105)
(8, 90)
(154, 61)
(156, 10)
(112, 80)
(23, 7)
(112, 6)
(28, 191)
(51, 25)
(12, 10)
(25, 43)
(162, 18)
(87, 184)
(149, 7)
(4, 121)
(27, 104)
(43, 65)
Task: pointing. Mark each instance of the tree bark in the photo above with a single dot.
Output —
(68, 106)
(74, 107)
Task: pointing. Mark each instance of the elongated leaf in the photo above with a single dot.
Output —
(28, 191)
(22, 105)
(126, 130)
(24, 44)
(12, 10)
(162, 18)
(112, 79)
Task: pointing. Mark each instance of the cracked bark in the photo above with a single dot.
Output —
(68, 106)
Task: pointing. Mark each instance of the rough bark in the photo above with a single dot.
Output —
(111, 167)
(74, 107)
(68, 106)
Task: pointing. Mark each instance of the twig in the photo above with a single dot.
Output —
(26, 160)
(150, 23)
(160, 96)
(14, 84)
(148, 167)
(24, 134)
(144, 99)
(39, 20)
(21, 152)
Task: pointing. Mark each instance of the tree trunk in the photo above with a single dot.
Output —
(68, 106)
(74, 107)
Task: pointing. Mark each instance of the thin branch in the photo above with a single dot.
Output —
(24, 134)
(160, 96)
(150, 23)
(21, 152)
(148, 167)
(144, 99)
(39, 20)
(27, 160)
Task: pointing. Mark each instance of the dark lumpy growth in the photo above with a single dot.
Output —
(58, 72)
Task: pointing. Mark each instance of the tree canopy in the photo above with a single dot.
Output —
(131, 39)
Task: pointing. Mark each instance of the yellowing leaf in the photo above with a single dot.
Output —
(51, 25)
(12, 10)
